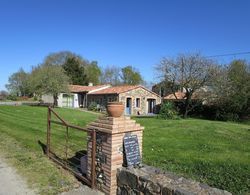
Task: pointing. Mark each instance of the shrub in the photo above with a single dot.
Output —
(92, 106)
(12, 97)
(168, 111)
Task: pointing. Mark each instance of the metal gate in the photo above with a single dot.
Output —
(64, 146)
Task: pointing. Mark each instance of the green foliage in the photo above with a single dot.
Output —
(93, 73)
(12, 97)
(18, 83)
(74, 68)
(79, 70)
(167, 111)
(48, 79)
(232, 88)
(130, 76)
(92, 106)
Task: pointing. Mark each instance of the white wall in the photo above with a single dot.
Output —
(76, 104)
(60, 99)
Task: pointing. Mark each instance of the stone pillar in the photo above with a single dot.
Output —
(110, 134)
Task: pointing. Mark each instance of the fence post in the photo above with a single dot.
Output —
(67, 142)
(93, 167)
(48, 132)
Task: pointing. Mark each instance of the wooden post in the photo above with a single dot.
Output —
(48, 132)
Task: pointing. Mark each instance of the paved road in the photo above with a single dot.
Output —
(11, 183)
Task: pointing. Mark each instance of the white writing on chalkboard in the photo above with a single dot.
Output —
(132, 150)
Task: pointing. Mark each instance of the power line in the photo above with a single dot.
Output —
(229, 54)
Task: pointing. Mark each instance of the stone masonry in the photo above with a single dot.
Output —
(144, 95)
(150, 180)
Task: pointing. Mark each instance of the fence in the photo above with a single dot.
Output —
(64, 146)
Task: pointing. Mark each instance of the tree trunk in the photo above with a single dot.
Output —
(185, 113)
(187, 103)
(55, 100)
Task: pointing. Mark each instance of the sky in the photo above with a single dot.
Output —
(120, 32)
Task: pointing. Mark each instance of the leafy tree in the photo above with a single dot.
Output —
(80, 71)
(232, 90)
(189, 71)
(18, 83)
(111, 75)
(59, 58)
(75, 70)
(167, 111)
(130, 76)
(47, 79)
(93, 72)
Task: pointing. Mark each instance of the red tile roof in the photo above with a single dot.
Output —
(116, 89)
(80, 88)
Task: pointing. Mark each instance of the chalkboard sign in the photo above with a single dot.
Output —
(131, 149)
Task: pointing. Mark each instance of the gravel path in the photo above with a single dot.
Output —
(11, 183)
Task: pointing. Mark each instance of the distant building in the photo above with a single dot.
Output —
(137, 99)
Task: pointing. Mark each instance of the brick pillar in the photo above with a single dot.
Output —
(111, 131)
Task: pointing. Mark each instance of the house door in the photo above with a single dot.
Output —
(151, 105)
(128, 106)
(68, 100)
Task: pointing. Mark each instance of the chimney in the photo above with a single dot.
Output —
(90, 84)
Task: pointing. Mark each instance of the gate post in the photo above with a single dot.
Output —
(48, 132)
(110, 132)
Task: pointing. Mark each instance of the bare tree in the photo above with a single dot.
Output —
(189, 71)
(111, 75)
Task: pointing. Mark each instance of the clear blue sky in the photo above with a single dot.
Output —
(119, 32)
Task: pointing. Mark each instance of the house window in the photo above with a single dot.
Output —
(137, 102)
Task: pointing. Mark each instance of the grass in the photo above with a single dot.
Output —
(216, 153)
(21, 127)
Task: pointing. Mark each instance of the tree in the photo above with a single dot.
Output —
(93, 73)
(232, 90)
(80, 71)
(18, 83)
(110, 75)
(189, 71)
(130, 76)
(59, 58)
(48, 79)
(75, 70)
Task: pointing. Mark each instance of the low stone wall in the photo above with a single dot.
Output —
(149, 180)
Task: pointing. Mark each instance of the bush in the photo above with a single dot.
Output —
(168, 111)
(92, 106)
(12, 97)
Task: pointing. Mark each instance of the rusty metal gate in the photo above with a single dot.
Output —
(64, 146)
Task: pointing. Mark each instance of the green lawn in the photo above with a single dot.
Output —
(216, 153)
(21, 127)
